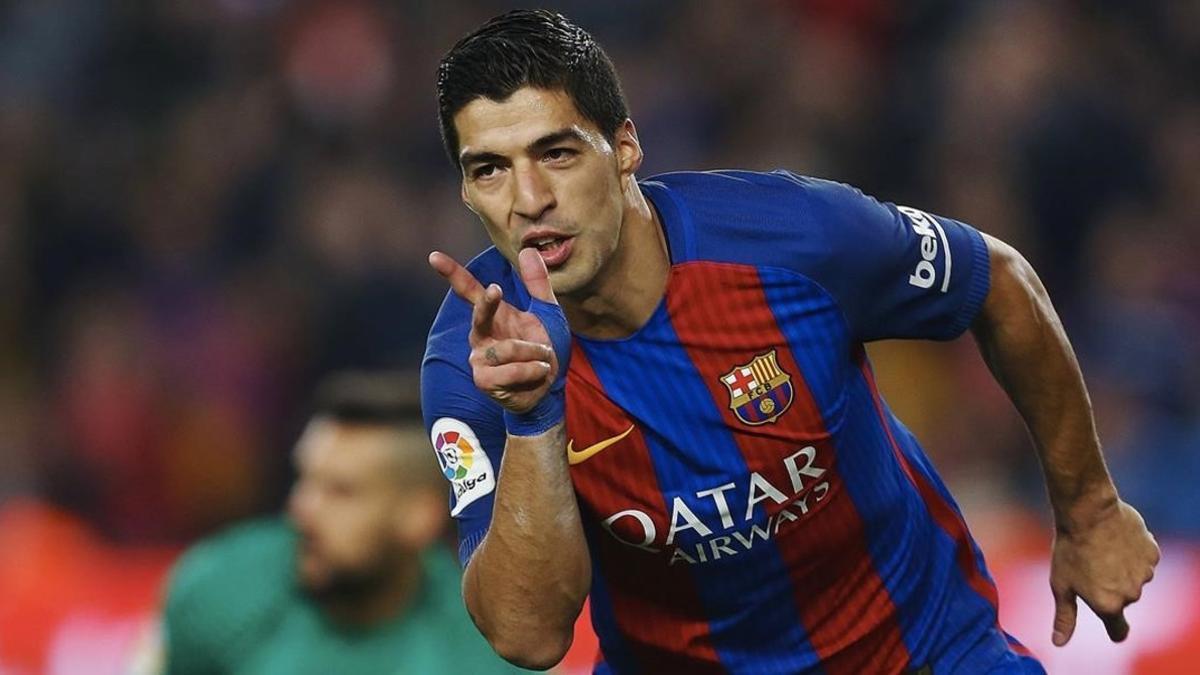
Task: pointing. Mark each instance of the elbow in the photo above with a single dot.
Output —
(527, 629)
(529, 644)
(541, 652)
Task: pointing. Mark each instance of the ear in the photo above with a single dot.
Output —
(629, 148)
(466, 198)
(420, 518)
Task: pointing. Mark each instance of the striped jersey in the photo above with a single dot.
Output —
(751, 504)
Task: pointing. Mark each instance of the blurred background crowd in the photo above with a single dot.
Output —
(207, 205)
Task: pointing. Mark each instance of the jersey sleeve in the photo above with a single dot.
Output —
(896, 271)
(465, 427)
(893, 271)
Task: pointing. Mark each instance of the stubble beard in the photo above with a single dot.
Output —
(347, 586)
(583, 285)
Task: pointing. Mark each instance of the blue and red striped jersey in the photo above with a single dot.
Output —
(750, 502)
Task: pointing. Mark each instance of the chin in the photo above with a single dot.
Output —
(311, 575)
(566, 287)
(570, 278)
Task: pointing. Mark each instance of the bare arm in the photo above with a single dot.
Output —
(1102, 550)
(526, 582)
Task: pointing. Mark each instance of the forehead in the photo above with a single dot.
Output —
(485, 125)
(345, 449)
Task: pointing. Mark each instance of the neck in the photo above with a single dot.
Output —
(630, 286)
(376, 603)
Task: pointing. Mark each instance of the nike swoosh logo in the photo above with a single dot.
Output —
(577, 456)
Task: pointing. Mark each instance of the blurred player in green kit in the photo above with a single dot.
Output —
(355, 580)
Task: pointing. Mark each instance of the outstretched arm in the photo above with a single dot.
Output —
(1103, 552)
(527, 580)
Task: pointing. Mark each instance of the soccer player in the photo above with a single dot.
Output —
(656, 391)
(357, 582)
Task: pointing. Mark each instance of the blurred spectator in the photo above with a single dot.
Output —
(357, 581)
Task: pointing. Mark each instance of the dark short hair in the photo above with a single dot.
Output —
(529, 48)
(376, 398)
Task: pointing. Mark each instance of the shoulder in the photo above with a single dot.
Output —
(777, 218)
(723, 191)
(235, 571)
(259, 541)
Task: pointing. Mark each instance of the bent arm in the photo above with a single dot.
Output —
(1024, 344)
(1102, 553)
(527, 581)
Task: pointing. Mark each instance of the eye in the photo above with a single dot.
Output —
(483, 171)
(558, 154)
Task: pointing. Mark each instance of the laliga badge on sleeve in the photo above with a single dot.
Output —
(463, 461)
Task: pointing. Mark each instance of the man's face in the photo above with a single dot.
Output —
(345, 505)
(539, 174)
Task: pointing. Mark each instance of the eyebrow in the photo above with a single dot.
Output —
(542, 143)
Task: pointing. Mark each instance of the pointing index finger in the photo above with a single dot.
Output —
(465, 285)
(485, 309)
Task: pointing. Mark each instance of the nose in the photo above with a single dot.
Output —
(533, 194)
(301, 503)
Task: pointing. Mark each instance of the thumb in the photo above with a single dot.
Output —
(1065, 611)
(535, 275)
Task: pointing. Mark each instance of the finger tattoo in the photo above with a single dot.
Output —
(491, 357)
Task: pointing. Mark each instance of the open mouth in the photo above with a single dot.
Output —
(547, 243)
(554, 249)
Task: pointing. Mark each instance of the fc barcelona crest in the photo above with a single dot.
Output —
(759, 391)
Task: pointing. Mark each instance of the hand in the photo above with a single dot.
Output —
(1105, 563)
(511, 357)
